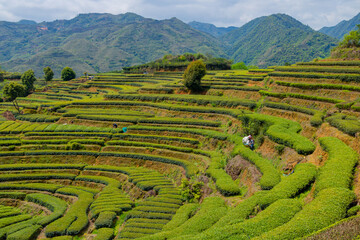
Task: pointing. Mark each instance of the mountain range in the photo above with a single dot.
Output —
(104, 42)
(342, 28)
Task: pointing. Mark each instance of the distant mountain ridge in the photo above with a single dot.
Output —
(276, 39)
(100, 42)
(211, 28)
(342, 28)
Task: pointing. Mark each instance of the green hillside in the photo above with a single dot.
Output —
(99, 42)
(211, 28)
(137, 156)
(275, 40)
(342, 28)
(104, 42)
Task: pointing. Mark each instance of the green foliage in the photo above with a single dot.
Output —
(338, 76)
(104, 234)
(38, 176)
(347, 124)
(105, 219)
(191, 190)
(12, 91)
(283, 131)
(338, 169)
(48, 74)
(301, 96)
(239, 65)
(193, 74)
(329, 206)
(67, 74)
(315, 121)
(352, 39)
(199, 99)
(304, 174)
(75, 146)
(253, 43)
(317, 69)
(76, 218)
(38, 118)
(179, 63)
(28, 79)
(56, 205)
(275, 215)
(210, 211)
(182, 215)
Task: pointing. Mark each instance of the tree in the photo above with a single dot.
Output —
(239, 65)
(67, 74)
(28, 78)
(48, 74)
(2, 76)
(12, 91)
(193, 74)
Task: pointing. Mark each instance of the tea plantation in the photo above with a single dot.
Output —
(174, 167)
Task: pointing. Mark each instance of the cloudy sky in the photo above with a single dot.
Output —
(315, 13)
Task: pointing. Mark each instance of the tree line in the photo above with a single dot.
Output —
(14, 90)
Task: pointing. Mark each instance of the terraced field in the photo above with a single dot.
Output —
(67, 173)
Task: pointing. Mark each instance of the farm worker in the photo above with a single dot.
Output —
(115, 125)
(249, 141)
(124, 129)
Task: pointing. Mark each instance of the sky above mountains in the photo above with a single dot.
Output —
(222, 13)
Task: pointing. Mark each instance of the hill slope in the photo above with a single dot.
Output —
(99, 42)
(276, 39)
(104, 42)
(211, 28)
(342, 28)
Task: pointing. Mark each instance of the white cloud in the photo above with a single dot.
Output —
(315, 13)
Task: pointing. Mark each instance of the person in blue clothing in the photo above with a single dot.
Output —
(249, 141)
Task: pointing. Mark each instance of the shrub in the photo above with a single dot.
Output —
(105, 219)
(210, 211)
(199, 99)
(56, 205)
(329, 206)
(67, 74)
(76, 218)
(37, 176)
(14, 219)
(182, 215)
(30, 186)
(104, 234)
(304, 174)
(347, 124)
(319, 86)
(270, 177)
(75, 146)
(341, 77)
(38, 118)
(27, 233)
(338, 169)
(193, 74)
(275, 215)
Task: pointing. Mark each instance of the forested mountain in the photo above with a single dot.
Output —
(276, 39)
(342, 28)
(98, 42)
(211, 28)
(105, 42)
